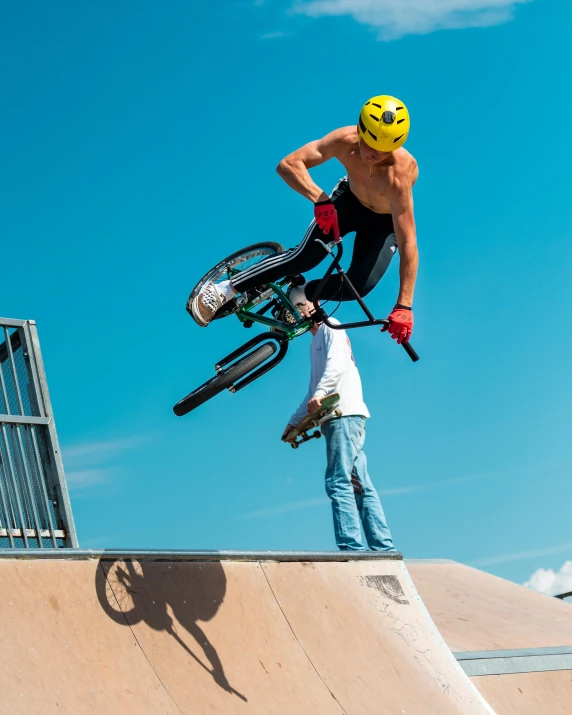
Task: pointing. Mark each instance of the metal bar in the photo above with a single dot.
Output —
(359, 324)
(14, 373)
(263, 320)
(146, 555)
(24, 420)
(514, 653)
(507, 666)
(4, 391)
(16, 343)
(521, 660)
(356, 295)
(11, 533)
(36, 401)
(5, 497)
(430, 561)
(55, 470)
(333, 265)
(14, 485)
(31, 491)
(11, 323)
(42, 481)
(19, 464)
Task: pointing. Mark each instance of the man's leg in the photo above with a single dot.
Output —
(309, 253)
(302, 258)
(342, 453)
(371, 512)
(374, 247)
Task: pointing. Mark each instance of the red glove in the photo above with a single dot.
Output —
(400, 323)
(327, 217)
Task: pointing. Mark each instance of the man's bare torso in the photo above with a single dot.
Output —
(371, 190)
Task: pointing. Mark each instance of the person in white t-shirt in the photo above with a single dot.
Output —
(355, 502)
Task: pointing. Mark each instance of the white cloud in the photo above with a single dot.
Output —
(274, 35)
(521, 555)
(283, 508)
(395, 18)
(89, 452)
(86, 478)
(396, 491)
(89, 465)
(550, 582)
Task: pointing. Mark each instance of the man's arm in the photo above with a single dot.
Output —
(401, 199)
(338, 357)
(294, 168)
(299, 415)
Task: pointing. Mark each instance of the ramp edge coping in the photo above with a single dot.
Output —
(182, 555)
(431, 561)
(521, 660)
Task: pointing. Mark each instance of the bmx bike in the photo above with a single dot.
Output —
(270, 306)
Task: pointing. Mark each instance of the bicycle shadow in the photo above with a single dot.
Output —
(131, 592)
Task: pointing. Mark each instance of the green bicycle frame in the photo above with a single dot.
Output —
(247, 315)
(291, 330)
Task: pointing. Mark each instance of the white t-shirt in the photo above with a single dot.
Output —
(333, 370)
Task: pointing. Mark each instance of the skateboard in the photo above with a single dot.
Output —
(299, 434)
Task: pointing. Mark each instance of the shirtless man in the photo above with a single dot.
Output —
(375, 200)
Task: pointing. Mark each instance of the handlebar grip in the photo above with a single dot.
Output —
(410, 351)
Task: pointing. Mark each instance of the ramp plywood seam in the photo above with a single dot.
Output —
(138, 643)
(299, 644)
(437, 634)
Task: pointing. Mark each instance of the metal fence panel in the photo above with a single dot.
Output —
(35, 510)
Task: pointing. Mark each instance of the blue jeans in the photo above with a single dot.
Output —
(355, 502)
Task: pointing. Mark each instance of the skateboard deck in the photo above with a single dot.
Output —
(299, 434)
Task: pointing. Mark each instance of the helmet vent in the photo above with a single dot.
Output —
(362, 125)
(373, 135)
(398, 138)
(376, 105)
(396, 108)
(374, 117)
(400, 120)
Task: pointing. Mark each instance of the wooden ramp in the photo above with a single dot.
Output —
(515, 644)
(202, 633)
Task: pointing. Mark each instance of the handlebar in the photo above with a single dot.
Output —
(409, 349)
(335, 265)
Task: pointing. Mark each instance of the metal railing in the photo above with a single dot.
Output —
(35, 510)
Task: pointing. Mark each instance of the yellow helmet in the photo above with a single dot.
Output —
(384, 123)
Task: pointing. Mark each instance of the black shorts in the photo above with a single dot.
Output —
(374, 247)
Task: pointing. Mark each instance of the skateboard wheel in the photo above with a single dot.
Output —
(294, 445)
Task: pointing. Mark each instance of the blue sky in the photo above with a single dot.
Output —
(131, 131)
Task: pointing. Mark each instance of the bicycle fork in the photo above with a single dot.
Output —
(278, 337)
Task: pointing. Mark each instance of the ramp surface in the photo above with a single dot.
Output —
(211, 636)
(478, 613)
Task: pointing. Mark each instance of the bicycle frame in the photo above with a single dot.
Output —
(274, 297)
(371, 320)
(248, 316)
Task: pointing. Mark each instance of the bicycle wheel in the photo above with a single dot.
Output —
(231, 266)
(224, 379)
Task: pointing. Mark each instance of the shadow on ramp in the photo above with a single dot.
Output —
(133, 592)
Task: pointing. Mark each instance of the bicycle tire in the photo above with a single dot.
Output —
(265, 249)
(224, 380)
